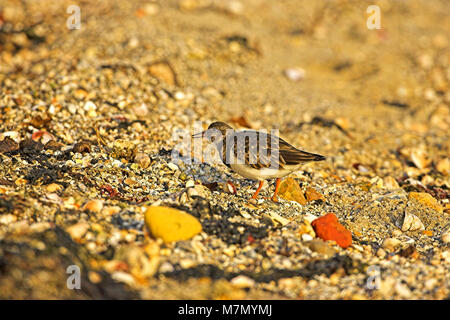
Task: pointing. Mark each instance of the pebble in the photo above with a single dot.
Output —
(78, 230)
(242, 282)
(313, 195)
(142, 160)
(427, 200)
(124, 149)
(163, 71)
(94, 206)
(328, 228)
(7, 218)
(381, 253)
(123, 277)
(53, 187)
(90, 108)
(291, 191)
(8, 145)
(443, 166)
(82, 147)
(171, 224)
(295, 74)
(172, 166)
(320, 246)
(411, 223)
(420, 158)
(391, 244)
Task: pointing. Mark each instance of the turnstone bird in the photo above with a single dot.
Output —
(256, 155)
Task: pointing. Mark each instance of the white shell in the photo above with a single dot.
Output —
(411, 222)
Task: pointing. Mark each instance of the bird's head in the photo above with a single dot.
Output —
(215, 130)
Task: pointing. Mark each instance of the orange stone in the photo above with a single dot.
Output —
(291, 191)
(312, 195)
(328, 227)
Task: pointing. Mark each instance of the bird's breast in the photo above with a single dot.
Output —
(259, 174)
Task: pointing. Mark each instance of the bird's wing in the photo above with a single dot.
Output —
(260, 150)
(294, 156)
(255, 149)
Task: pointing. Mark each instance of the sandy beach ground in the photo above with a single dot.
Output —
(94, 94)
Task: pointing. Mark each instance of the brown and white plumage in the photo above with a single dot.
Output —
(257, 155)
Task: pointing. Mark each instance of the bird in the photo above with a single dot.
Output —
(256, 155)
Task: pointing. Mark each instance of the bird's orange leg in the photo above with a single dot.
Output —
(277, 186)
(257, 190)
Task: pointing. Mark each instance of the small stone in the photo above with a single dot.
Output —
(14, 135)
(391, 244)
(53, 187)
(402, 290)
(94, 277)
(78, 230)
(172, 166)
(328, 227)
(94, 206)
(411, 223)
(141, 110)
(305, 227)
(229, 187)
(30, 146)
(8, 145)
(42, 136)
(295, 74)
(90, 108)
(381, 253)
(242, 282)
(82, 147)
(443, 166)
(171, 224)
(427, 200)
(313, 195)
(7, 218)
(409, 252)
(38, 122)
(151, 8)
(142, 160)
(53, 145)
(306, 237)
(190, 183)
(390, 183)
(124, 277)
(112, 210)
(377, 183)
(124, 149)
(320, 246)
(420, 158)
(163, 71)
(277, 219)
(130, 182)
(291, 191)
(166, 267)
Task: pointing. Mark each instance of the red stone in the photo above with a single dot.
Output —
(328, 227)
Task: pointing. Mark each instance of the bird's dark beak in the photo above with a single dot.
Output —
(199, 135)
